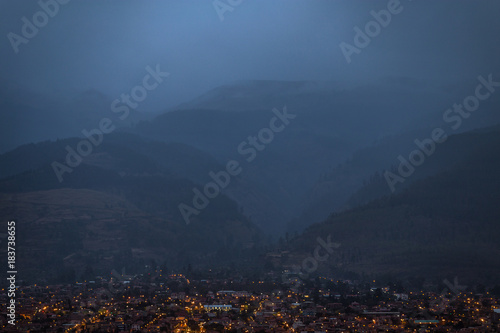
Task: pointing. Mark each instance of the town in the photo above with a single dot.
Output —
(158, 302)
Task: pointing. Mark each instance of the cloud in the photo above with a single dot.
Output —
(106, 45)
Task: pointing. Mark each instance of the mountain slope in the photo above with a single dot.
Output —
(335, 124)
(361, 178)
(129, 154)
(123, 191)
(27, 117)
(439, 226)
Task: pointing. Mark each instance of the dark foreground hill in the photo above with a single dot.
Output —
(118, 209)
(441, 226)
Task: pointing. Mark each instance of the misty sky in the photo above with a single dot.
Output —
(106, 45)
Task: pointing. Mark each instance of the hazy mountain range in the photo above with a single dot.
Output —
(329, 156)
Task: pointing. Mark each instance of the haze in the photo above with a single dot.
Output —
(106, 45)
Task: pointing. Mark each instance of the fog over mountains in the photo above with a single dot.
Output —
(134, 133)
(309, 169)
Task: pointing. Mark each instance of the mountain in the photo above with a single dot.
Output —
(302, 150)
(333, 189)
(343, 186)
(29, 117)
(329, 124)
(359, 113)
(439, 226)
(272, 172)
(118, 208)
(336, 137)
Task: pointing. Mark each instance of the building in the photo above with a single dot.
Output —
(218, 307)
